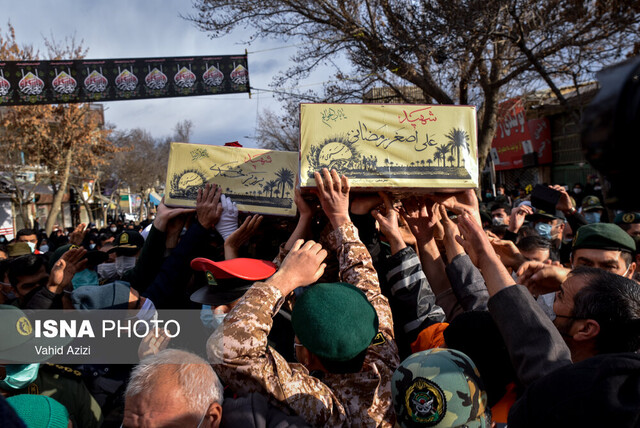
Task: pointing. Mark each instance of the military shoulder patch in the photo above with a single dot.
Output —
(378, 339)
(425, 402)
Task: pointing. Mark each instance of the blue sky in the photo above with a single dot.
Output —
(129, 29)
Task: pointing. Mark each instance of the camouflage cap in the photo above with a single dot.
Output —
(439, 388)
(591, 203)
(603, 236)
(627, 218)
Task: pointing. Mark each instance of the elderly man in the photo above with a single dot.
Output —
(344, 331)
(176, 388)
(173, 388)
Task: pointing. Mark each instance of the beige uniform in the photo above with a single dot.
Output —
(243, 360)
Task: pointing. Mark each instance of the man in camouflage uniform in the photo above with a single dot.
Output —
(239, 351)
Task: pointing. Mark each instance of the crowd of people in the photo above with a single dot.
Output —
(364, 310)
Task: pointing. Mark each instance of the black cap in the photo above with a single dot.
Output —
(127, 243)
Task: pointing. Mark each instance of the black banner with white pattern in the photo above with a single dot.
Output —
(96, 80)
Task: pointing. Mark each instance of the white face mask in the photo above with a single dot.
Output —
(107, 271)
(124, 263)
(113, 229)
(32, 245)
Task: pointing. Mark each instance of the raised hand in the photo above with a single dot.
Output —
(389, 224)
(517, 217)
(541, 278)
(508, 252)
(475, 242)
(564, 202)
(241, 235)
(422, 217)
(451, 245)
(62, 272)
(333, 192)
(77, 236)
(165, 214)
(208, 206)
(302, 266)
(228, 222)
(304, 209)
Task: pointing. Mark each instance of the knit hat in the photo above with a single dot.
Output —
(603, 236)
(439, 388)
(39, 411)
(8, 416)
(108, 296)
(334, 321)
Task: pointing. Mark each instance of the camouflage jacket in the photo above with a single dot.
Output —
(241, 357)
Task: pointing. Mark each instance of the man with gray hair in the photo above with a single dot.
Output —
(176, 388)
(173, 388)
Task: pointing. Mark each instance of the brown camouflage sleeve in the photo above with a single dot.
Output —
(240, 355)
(356, 267)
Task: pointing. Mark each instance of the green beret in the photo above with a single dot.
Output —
(334, 321)
(627, 218)
(603, 236)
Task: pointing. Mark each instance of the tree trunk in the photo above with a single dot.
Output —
(56, 206)
(23, 208)
(86, 206)
(487, 129)
(141, 207)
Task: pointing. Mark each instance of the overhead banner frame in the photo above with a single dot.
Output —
(97, 80)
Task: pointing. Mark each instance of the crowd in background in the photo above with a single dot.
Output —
(366, 309)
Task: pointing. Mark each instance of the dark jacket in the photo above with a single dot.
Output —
(168, 289)
(467, 284)
(534, 343)
(149, 262)
(254, 410)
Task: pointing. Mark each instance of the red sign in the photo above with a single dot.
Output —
(517, 136)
